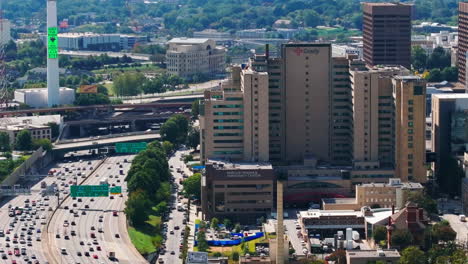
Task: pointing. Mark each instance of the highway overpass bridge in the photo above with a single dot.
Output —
(65, 146)
(111, 107)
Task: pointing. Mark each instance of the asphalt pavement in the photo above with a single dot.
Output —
(35, 219)
(172, 251)
(97, 225)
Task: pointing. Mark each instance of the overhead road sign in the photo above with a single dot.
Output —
(89, 190)
(130, 147)
(115, 190)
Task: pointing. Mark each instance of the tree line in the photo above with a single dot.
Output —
(436, 66)
(225, 15)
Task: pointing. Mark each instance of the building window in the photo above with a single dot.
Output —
(410, 145)
(417, 90)
(410, 131)
(410, 156)
(410, 109)
(410, 102)
(410, 124)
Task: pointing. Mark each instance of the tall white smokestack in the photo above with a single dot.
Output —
(52, 55)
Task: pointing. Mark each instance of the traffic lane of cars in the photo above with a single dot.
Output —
(57, 226)
(173, 241)
(103, 204)
(33, 250)
(64, 214)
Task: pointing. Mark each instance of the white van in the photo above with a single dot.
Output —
(462, 218)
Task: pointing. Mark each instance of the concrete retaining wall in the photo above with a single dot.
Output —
(38, 160)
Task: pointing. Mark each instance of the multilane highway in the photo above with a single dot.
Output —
(29, 226)
(89, 228)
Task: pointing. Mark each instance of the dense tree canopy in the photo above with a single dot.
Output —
(412, 255)
(23, 140)
(192, 185)
(192, 15)
(175, 129)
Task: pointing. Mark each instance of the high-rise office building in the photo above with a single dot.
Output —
(307, 78)
(387, 34)
(276, 108)
(409, 93)
(234, 118)
(373, 111)
(310, 109)
(462, 40)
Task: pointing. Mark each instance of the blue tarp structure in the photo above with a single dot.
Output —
(233, 242)
(198, 167)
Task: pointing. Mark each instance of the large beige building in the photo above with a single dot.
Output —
(327, 123)
(234, 118)
(307, 78)
(384, 195)
(409, 93)
(242, 191)
(187, 57)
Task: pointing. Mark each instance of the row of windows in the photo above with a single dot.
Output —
(228, 127)
(228, 141)
(227, 134)
(228, 120)
(227, 113)
(228, 106)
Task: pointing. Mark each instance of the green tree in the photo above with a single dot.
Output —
(412, 255)
(23, 140)
(439, 58)
(44, 143)
(235, 256)
(128, 84)
(442, 231)
(435, 76)
(192, 185)
(195, 109)
(418, 58)
(4, 142)
(450, 74)
(424, 201)
(379, 233)
(168, 147)
(202, 244)
(193, 138)
(137, 207)
(175, 129)
(55, 129)
(237, 228)
(401, 238)
(214, 223)
(312, 18)
(227, 223)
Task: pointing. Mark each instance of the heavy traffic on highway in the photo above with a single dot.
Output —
(50, 226)
(56, 228)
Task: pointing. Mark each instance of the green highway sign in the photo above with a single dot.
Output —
(52, 42)
(89, 190)
(130, 147)
(115, 190)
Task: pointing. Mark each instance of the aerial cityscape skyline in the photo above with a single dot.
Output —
(187, 131)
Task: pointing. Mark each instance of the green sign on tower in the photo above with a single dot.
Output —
(52, 42)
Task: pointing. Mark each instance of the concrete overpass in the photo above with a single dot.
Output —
(94, 143)
(94, 107)
(135, 56)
